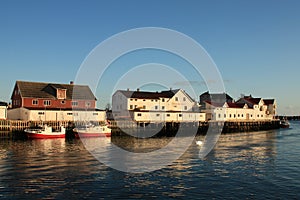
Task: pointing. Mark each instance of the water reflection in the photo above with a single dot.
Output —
(242, 165)
(258, 145)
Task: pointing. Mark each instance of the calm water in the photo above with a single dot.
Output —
(243, 165)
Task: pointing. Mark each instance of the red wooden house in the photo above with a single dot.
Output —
(36, 95)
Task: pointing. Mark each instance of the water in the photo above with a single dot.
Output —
(254, 165)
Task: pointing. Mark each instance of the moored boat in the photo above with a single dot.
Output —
(45, 132)
(92, 131)
(284, 123)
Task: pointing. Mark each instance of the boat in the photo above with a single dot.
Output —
(91, 130)
(45, 131)
(284, 123)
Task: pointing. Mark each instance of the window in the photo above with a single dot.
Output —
(184, 99)
(219, 115)
(69, 113)
(41, 113)
(139, 114)
(229, 115)
(61, 93)
(35, 102)
(262, 116)
(180, 115)
(224, 115)
(131, 99)
(157, 115)
(74, 103)
(144, 107)
(47, 102)
(233, 115)
(242, 115)
(131, 107)
(176, 98)
(168, 115)
(62, 102)
(156, 107)
(238, 115)
(95, 113)
(185, 107)
(87, 104)
(163, 107)
(163, 100)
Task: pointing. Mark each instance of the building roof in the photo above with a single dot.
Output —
(250, 101)
(48, 90)
(149, 95)
(235, 105)
(227, 104)
(269, 101)
(217, 95)
(3, 103)
(253, 100)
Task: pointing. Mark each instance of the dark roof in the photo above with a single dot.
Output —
(253, 100)
(235, 105)
(48, 90)
(149, 95)
(217, 95)
(269, 101)
(3, 103)
(250, 101)
(230, 104)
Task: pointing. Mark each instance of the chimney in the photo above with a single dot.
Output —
(127, 89)
(71, 83)
(138, 89)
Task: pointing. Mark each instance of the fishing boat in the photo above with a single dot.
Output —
(284, 123)
(45, 131)
(91, 130)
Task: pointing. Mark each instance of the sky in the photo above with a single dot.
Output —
(255, 45)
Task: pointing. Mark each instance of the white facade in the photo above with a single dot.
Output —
(55, 115)
(240, 112)
(168, 116)
(180, 101)
(173, 105)
(3, 112)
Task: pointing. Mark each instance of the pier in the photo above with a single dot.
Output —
(138, 129)
(171, 128)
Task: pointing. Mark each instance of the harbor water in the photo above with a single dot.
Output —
(254, 165)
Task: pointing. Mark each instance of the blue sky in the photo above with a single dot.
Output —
(255, 44)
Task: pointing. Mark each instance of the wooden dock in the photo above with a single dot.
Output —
(120, 128)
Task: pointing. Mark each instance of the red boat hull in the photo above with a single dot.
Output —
(44, 136)
(82, 134)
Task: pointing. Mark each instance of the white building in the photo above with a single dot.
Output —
(56, 115)
(246, 108)
(141, 106)
(3, 110)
